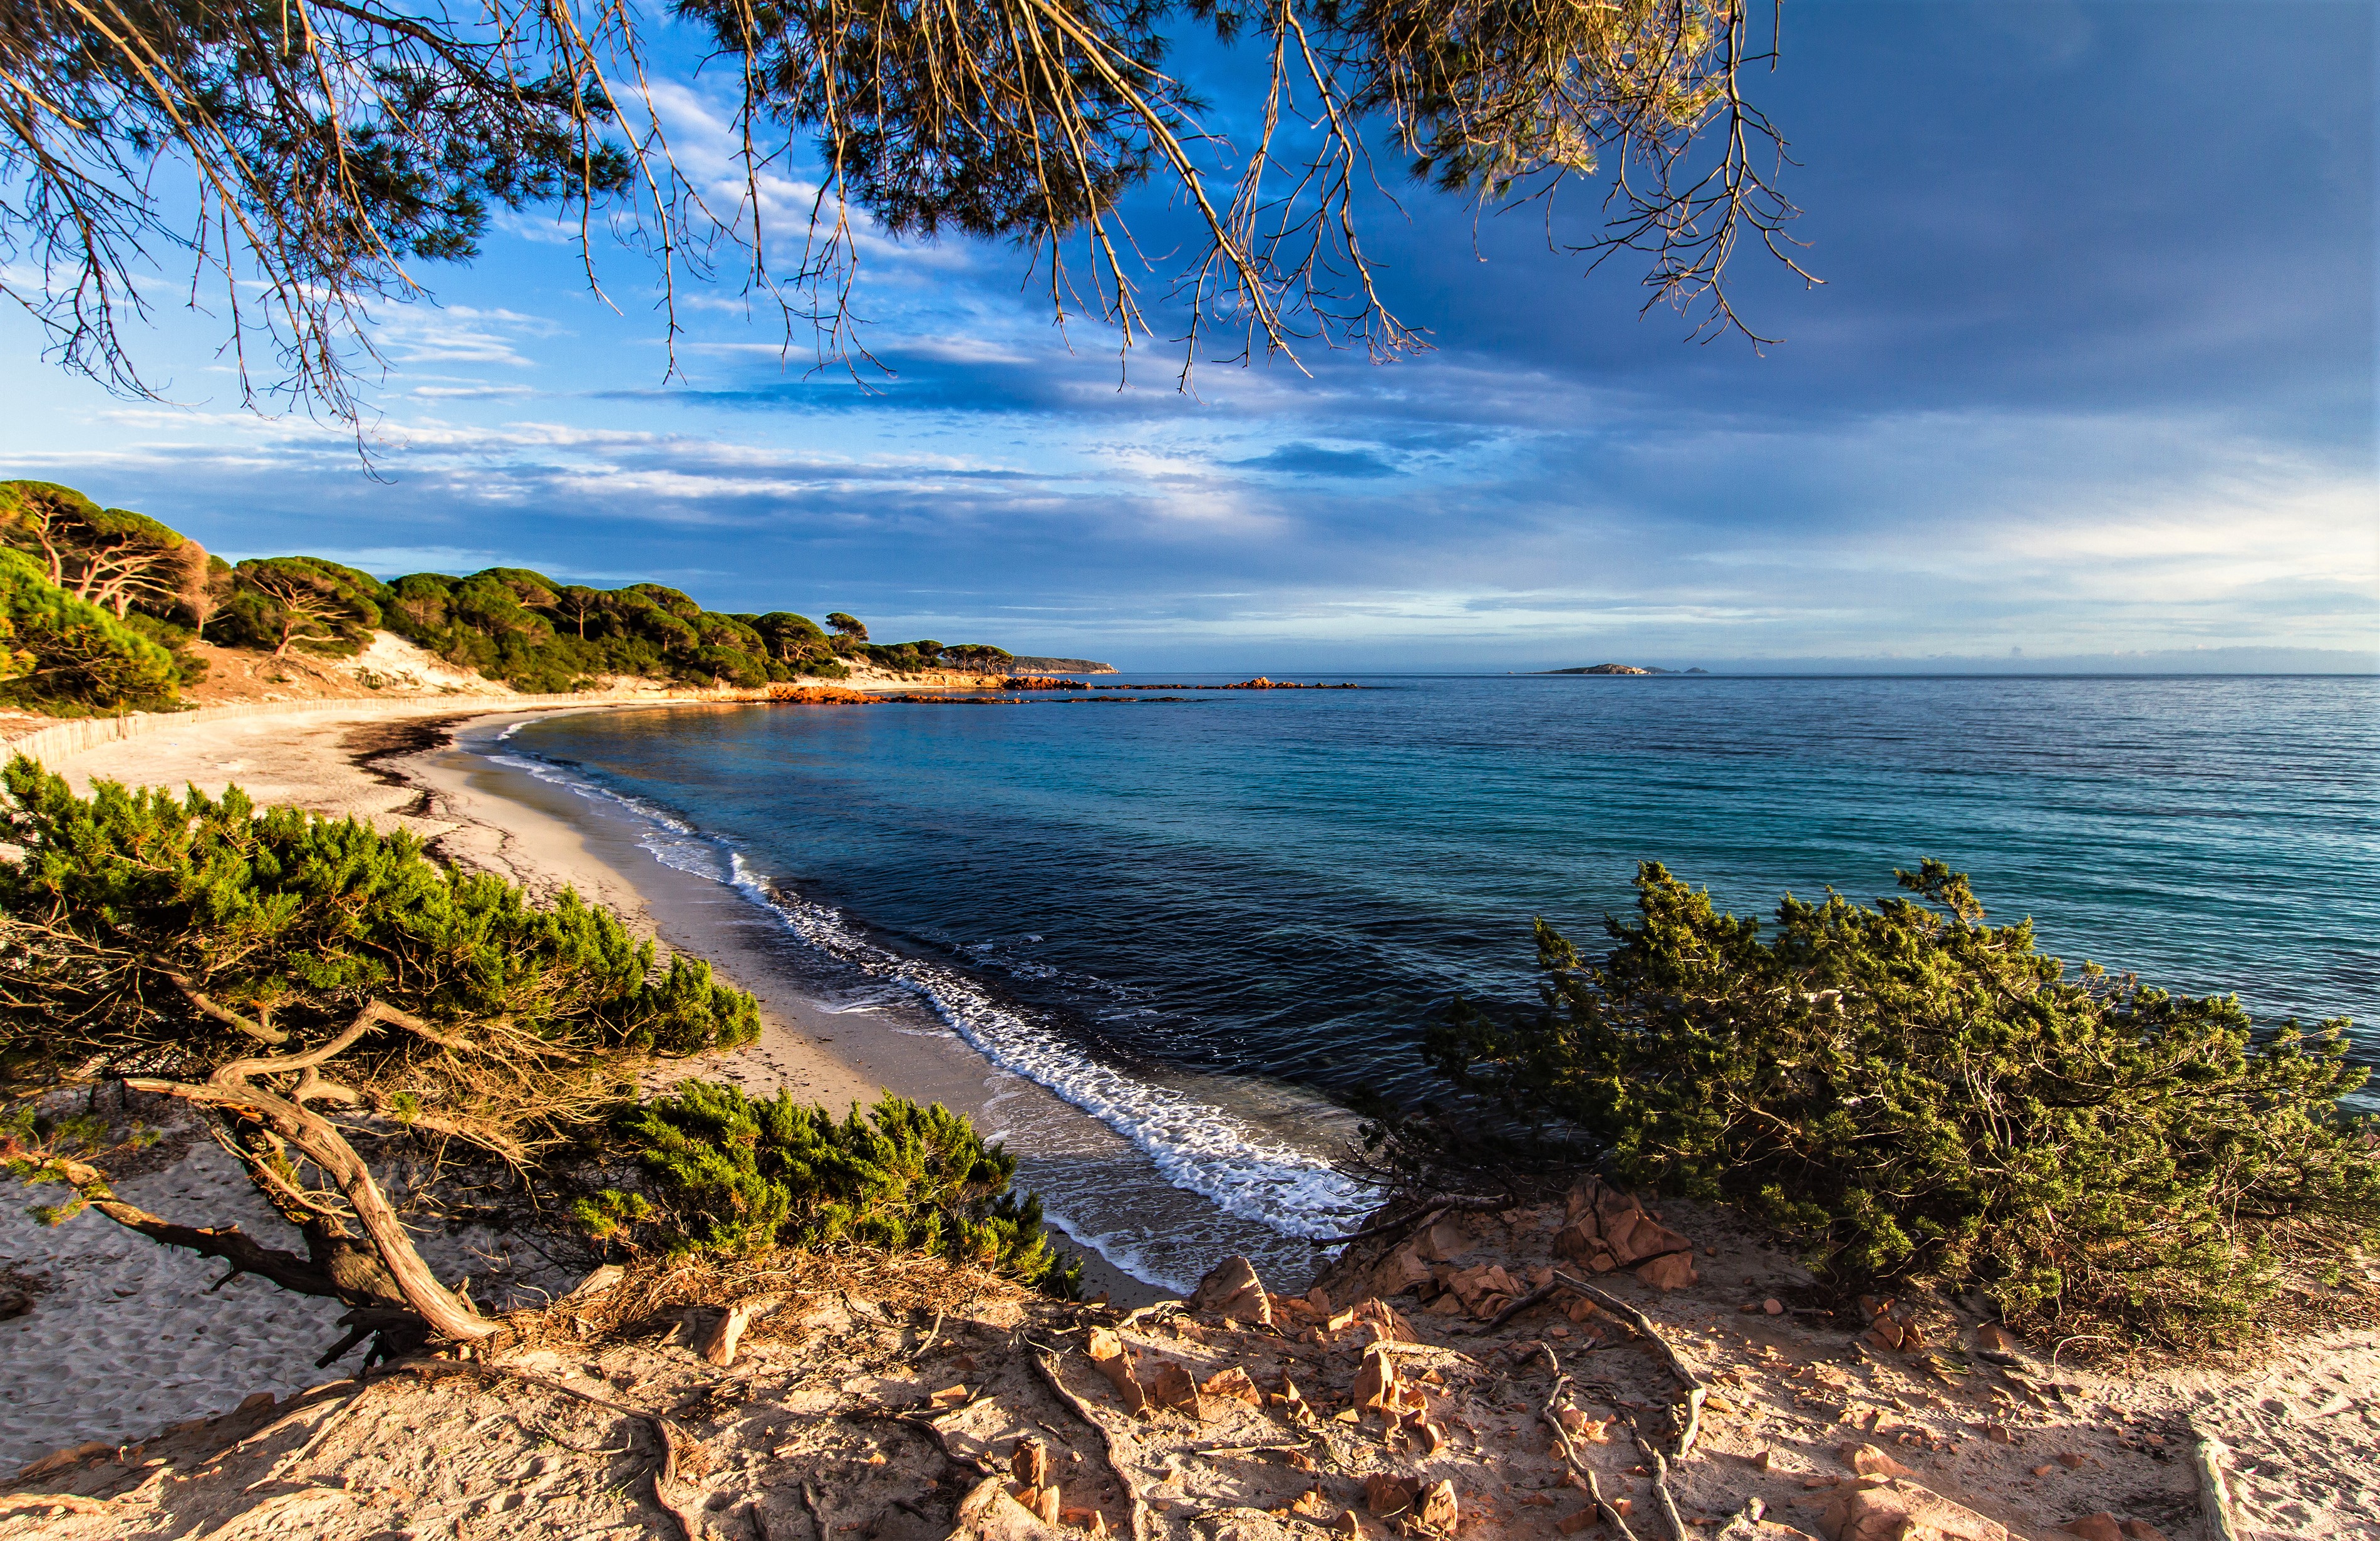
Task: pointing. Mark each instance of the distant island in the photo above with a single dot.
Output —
(1058, 666)
(1623, 669)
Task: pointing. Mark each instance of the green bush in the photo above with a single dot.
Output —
(1908, 1092)
(293, 921)
(730, 1175)
(68, 657)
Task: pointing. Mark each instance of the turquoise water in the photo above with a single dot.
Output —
(1137, 904)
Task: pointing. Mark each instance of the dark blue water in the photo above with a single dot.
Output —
(1285, 886)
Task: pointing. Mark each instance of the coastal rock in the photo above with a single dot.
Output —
(1443, 1242)
(1375, 1380)
(1402, 1272)
(1385, 1493)
(2096, 1527)
(1232, 1383)
(1232, 1289)
(1107, 1352)
(1871, 1461)
(1673, 1271)
(989, 1512)
(1887, 1509)
(1173, 1386)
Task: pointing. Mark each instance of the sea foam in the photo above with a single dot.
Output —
(1195, 1145)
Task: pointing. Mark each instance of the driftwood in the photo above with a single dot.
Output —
(1140, 1517)
(1696, 1387)
(2206, 1453)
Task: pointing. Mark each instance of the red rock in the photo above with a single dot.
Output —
(2101, 1526)
(1870, 1461)
(1235, 1384)
(1571, 1524)
(1108, 1353)
(1029, 1462)
(1672, 1273)
(1385, 1494)
(1232, 1289)
(2072, 1462)
(1172, 1387)
(1443, 1242)
(1376, 1381)
(1774, 1306)
(1437, 1508)
(1575, 1241)
(1401, 1272)
(1995, 1339)
(2141, 1530)
(1887, 1508)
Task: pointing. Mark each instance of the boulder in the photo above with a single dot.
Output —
(1443, 1242)
(1891, 1509)
(1575, 1241)
(1673, 1271)
(1232, 1289)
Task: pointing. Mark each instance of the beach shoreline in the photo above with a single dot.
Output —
(402, 767)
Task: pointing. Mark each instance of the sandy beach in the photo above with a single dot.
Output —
(115, 1292)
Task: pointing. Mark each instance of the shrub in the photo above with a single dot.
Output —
(69, 657)
(736, 1175)
(293, 921)
(247, 963)
(1907, 1091)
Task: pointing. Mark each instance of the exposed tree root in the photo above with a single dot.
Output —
(1696, 1389)
(1048, 1365)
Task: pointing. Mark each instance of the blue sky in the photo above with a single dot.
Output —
(2091, 381)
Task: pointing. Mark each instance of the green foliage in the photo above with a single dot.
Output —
(305, 602)
(122, 562)
(71, 658)
(536, 634)
(733, 1175)
(292, 921)
(1909, 1092)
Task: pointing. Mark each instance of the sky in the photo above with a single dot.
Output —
(2090, 383)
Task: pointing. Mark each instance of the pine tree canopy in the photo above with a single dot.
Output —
(304, 158)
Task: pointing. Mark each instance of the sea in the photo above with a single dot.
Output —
(1204, 923)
